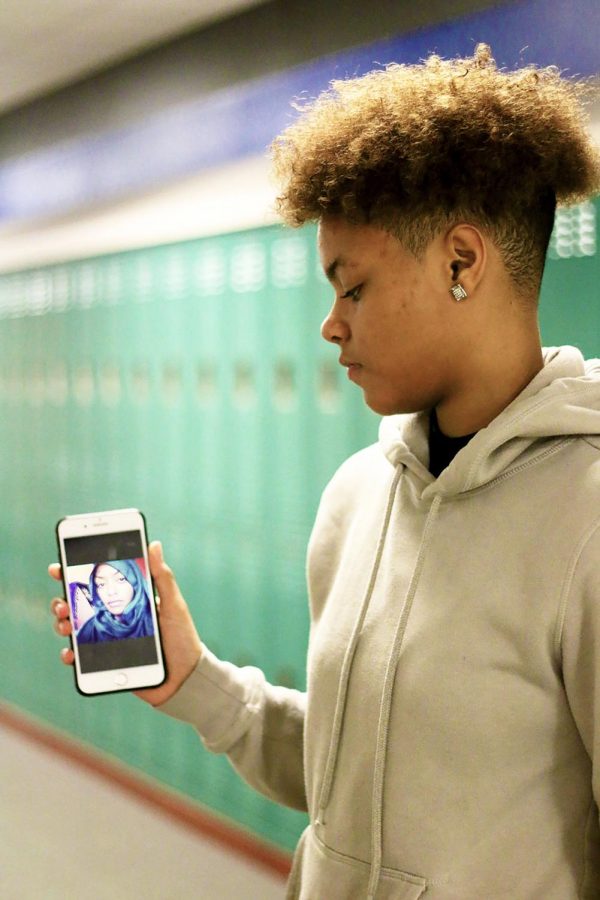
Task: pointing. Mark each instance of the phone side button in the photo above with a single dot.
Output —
(121, 679)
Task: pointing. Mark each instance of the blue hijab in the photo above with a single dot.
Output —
(136, 619)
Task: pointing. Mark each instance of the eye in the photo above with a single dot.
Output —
(353, 294)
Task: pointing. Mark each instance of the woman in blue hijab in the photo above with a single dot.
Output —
(121, 604)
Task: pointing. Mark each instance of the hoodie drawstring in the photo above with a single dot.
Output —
(386, 704)
(349, 656)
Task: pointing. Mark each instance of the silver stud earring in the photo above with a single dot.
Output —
(458, 292)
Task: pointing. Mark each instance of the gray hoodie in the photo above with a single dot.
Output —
(449, 741)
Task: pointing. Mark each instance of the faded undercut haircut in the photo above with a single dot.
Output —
(415, 149)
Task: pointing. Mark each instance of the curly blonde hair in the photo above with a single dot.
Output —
(415, 148)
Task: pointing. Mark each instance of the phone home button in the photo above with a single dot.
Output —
(121, 679)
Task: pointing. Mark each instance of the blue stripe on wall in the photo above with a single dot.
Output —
(242, 120)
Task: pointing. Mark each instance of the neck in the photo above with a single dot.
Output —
(495, 378)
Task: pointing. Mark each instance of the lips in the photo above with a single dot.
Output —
(353, 368)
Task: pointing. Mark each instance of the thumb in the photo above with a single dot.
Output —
(155, 555)
(164, 580)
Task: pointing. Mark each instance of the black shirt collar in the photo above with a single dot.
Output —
(443, 449)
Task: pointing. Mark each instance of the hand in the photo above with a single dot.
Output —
(181, 643)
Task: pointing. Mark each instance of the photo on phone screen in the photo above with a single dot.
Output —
(110, 596)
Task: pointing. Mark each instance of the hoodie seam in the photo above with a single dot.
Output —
(241, 724)
(541, 457)
(243, 709)
(508, 427)
(363, 864)
(532, 462)
(565, 593)
(588, 825)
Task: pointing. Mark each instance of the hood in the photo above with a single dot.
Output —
(561, 402)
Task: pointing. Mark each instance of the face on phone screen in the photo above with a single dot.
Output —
(110, 596)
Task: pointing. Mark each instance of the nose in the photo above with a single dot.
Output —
(335, 328)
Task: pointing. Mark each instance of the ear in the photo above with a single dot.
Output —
(465, 257)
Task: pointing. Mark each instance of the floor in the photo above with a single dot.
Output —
(66, 834)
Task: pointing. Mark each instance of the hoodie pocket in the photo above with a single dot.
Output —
(320, 873)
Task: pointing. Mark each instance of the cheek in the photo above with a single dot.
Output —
(402, 308)
(126, 591)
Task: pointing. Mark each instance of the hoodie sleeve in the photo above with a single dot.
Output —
(258, 725)
(578, 639)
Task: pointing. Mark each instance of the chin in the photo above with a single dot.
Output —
(383, 409)
(388, 407)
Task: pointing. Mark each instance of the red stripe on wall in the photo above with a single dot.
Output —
(168, 802)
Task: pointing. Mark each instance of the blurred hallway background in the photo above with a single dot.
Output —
(66, 834)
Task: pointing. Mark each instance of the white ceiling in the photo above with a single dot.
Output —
(45, 44)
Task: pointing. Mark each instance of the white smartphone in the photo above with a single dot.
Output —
(116, 638)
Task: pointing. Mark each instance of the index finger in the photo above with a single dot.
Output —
(54, 571)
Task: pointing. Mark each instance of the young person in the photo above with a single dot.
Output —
(119, 601)
(448, 744)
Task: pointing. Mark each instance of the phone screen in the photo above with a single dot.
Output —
(110, 596)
